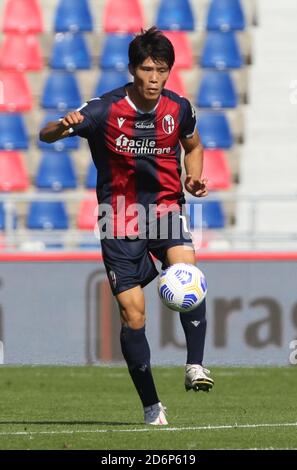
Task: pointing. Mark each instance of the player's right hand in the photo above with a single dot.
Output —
(71, 119)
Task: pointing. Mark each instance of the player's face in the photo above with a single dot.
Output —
(150, 78)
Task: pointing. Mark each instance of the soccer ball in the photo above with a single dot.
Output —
(182, 287)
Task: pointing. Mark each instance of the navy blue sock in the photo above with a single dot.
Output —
(136, 352)
(194, 325)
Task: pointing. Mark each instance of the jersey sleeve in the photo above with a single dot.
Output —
(91, 114)
(188, 120)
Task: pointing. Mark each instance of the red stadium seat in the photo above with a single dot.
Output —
(175, 83)
(13, 175)
(88, 212)
(182, 48)
(216, 169)
(123, 16)
(23, 16)
(21, 52)
(15, 94)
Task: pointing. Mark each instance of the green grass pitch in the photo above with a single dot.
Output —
(96, 407)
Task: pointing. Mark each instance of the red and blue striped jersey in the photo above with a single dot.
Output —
(137, 154)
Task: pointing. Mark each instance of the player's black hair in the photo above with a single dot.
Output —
(151, 43)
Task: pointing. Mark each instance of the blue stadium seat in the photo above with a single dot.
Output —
(216, 90)
(73, 15)
(214, 130)
(175, 15)
(61, 92)
(2, 217)
(70, 52)
(56, 171)
(225, 15)
(221, 51)
(213, 216)
(71, 143)
(91, 178)
(47, 215)
(115, 51)
(13, 134)
(111, 79)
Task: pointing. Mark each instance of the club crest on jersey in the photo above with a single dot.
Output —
(168, 124)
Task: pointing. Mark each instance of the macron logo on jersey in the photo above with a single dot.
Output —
(121, 121)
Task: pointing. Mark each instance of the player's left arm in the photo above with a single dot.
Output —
(193, 162)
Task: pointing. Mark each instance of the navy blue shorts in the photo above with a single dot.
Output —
(129, 262)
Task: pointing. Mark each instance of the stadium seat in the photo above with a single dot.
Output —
(175, 83)
(182, 48)
(91, 178)
(71, 143)
(22, 16)
(214, 130)
(175, 15)
(21, 52)
(56, 172)
(2, 218)
(115, 51)
(13, 134)
(70, 52)
(225, 15)
(61, 92)
(15, 94)
(73, 15)
(110, 79)
(13, 174)
(221, 51)
(88, 212)
(123, 16)
(216, 90)
(216, 169)
(213, 216)
(47, 215)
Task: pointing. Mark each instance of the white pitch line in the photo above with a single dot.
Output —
(152, 429)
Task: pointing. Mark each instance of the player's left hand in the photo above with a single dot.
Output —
(196, 187)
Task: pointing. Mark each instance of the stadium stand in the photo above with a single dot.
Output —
(13, 174)
(88, 212)
(216, 169)
(2, 218)
(15, 90)
(176, 15)
(61, 91)
(205, 35)
(73, 15)
(110, 79)
(221, 51)
(21, 52)
(13, 133)
(56, 172)
(70, 52)
(114, 53)
(91, 177)
(183, 51)
(216, 90)
(45, 215)
(213, 216)
(22, 16)
(225, 15)
(215, 130)
(175, 82)
(123, 16)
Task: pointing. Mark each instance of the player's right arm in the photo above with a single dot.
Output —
(56, 130)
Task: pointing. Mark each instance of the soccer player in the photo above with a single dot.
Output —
(135, 134)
